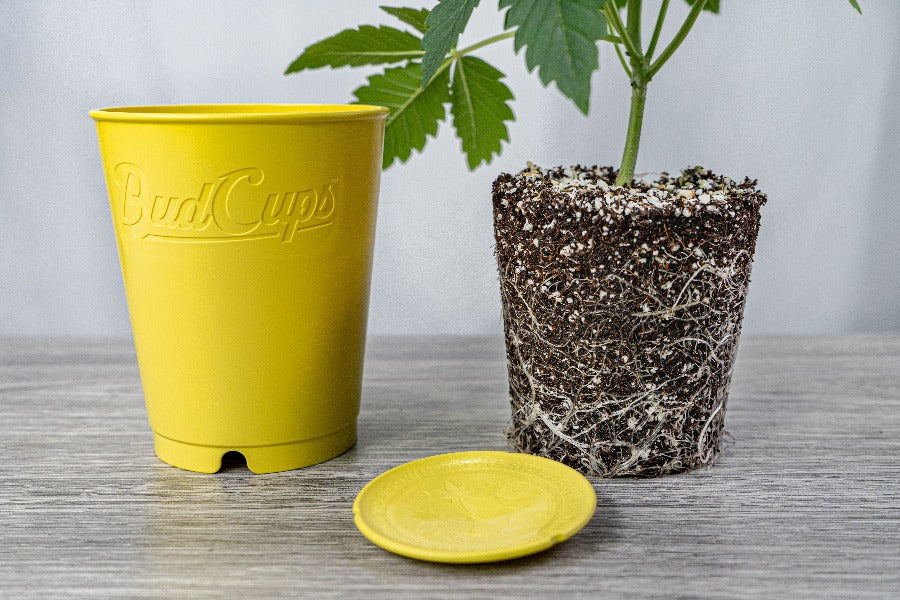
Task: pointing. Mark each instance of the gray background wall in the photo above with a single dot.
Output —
(802, 95)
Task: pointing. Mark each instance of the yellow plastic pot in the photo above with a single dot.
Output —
(245, 238)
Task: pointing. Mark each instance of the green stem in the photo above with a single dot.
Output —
(612, 16)
(486, 42)
(622, 60)
(631, 37)
(634, 23)
(642, 74)
(456, 54)
(676, 41)
(657, 30)
(633, 137)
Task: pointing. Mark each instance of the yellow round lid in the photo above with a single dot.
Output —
(470, 507)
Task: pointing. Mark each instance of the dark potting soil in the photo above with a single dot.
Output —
(622, 310)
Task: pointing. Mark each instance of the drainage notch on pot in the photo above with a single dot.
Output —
(622, 311)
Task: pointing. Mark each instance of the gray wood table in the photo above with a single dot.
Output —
(803, 502)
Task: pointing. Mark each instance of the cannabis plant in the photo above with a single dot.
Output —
(427, 71)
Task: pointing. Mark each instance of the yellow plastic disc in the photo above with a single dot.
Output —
(470, 507)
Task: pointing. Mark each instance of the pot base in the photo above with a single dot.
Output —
(260, 459)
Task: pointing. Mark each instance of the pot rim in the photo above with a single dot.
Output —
(239, 113)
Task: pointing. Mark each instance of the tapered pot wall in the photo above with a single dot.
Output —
(245, 237)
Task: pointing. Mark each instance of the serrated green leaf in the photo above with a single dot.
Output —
(711, 5)
(367, 45)
(478, 103)
(411, 16)
(855, 5)
(561, 39)
(446, 21)
(415, 112)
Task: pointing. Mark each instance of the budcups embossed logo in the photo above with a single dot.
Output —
(232, 207)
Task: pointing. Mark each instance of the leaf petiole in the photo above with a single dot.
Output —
(676, 41)
(612, 16)
(456, 54)
(485, 42)
(657, 30)
(623, 61)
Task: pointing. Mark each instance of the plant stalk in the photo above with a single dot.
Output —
(642, 70)
(634, 22)
(633, 136)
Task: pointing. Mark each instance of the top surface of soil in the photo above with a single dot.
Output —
(696, 192)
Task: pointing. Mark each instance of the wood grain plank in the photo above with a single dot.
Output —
(803, 503)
